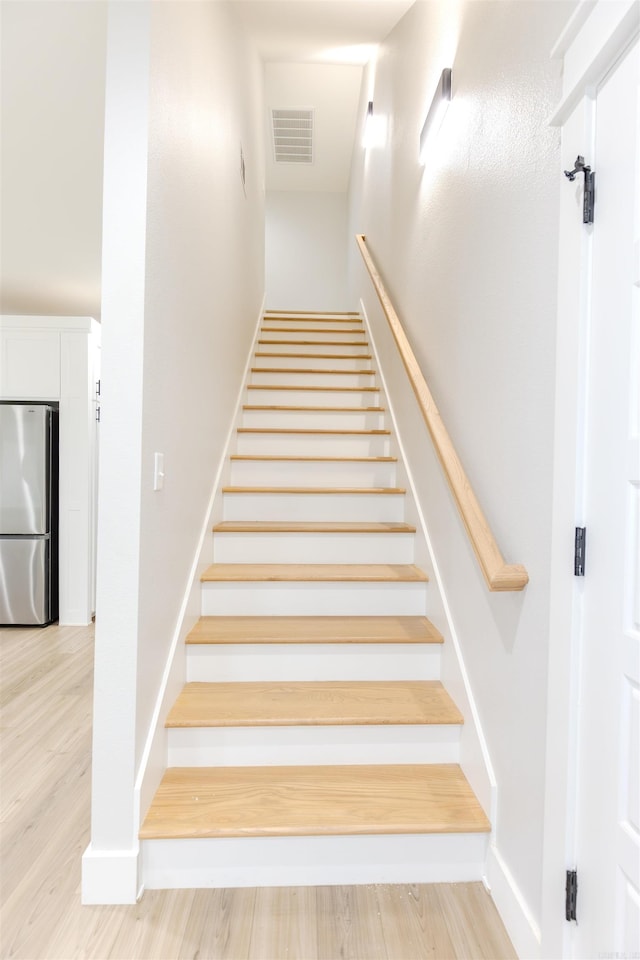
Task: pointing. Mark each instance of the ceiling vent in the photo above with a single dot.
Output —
(292, 136)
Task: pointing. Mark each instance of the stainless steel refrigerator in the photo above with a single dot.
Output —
(28, 513)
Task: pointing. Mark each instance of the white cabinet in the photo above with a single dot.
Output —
(56, 358)
(30, 368)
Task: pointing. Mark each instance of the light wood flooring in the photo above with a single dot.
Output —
(45, 741)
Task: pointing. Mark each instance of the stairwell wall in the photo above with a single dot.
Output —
(467, 249)
(306, 251)
(183, 268)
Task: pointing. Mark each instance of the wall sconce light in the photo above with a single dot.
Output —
(437, 110)
(369, 132)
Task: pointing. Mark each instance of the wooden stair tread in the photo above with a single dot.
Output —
(313, 573)
(311, 409)
(260, 354)
(314, 526)
(356, 343)
(311, 313)
(318, 490)
(307, 801)
(314, 343)
(307, 703)
(311, 430)
(288, 386)
(307, 316)
(265, 456)
(222, 630)
(333, 371)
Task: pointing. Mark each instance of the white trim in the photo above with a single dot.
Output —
(487, 792)
(9, 321)
(174, 675)
(110, 876)
(512, 907)
(573, 27)
(606, 33)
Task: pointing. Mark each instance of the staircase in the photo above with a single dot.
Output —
(313, 742)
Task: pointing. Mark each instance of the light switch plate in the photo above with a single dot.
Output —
(158, 471)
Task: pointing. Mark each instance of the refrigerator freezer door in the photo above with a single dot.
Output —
(24, 574)
(25, 450)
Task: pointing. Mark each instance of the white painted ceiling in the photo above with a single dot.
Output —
(332, 92)
(319, 31)
(313, 52)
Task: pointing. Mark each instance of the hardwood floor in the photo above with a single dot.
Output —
(45, 743)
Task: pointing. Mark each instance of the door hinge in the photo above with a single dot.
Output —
(571, 895)
(589, 195)
(578, 554)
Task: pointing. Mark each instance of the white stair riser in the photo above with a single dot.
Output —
(377, 508)
(272, 360)
(292, 330)
(313, 420)
(229, 662)
(313, 599)
(283, 343)
(302, 397)
(306, 745)
(313, 548)
(314, 444)
(312, 473)
(314, 379)
(313, 861)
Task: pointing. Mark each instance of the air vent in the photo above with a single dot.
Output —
(292, 136)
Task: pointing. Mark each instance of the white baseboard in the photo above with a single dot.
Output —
(513, 909)
(110, 876)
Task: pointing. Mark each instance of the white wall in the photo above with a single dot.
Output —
(51, 153)
(467, 248)
(183, 287)
(306, 251)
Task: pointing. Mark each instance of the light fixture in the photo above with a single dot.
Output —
(369, 131)
(437, 110)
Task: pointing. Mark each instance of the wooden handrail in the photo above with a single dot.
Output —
(498, 574)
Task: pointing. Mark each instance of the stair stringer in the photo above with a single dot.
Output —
(474, 752)
(153, 762)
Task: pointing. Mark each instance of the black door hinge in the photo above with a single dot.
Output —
(589, 195)
(571, 895)
(578, 554)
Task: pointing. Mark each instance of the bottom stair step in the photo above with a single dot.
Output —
(208, 802)
(313, 826)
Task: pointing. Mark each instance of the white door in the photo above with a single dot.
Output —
(607, 842)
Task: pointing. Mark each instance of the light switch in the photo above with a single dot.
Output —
(158, 471)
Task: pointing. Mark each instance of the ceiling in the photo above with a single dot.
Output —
(314, 51)
(319, 31)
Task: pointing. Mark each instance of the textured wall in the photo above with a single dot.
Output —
(205, 283)
(467, 247)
